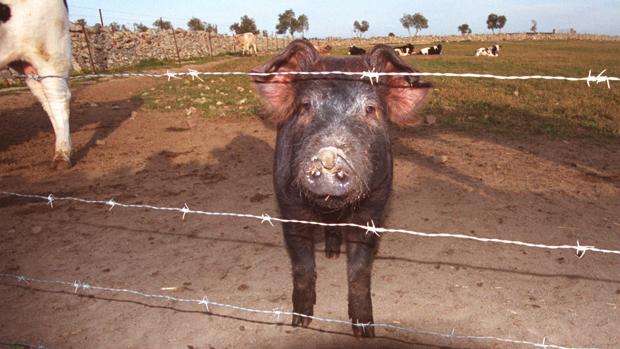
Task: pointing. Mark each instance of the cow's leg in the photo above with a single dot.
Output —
(361, 249)
(300, 245)
(333, 240)
(58, 96)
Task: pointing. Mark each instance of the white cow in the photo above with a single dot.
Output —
(247, 41)
(35, 40)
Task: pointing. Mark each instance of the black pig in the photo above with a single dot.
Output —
(333, 161)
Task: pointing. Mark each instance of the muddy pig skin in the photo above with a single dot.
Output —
(333, 161)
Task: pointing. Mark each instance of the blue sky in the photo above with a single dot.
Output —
(335, 18)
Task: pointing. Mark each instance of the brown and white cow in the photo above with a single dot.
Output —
(247, 41)
(35, 40)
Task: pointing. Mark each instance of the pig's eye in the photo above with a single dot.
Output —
(370, 109)
(305, 106)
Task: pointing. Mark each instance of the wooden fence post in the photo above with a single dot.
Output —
(90, 54)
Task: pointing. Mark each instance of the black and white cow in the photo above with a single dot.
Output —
(491, 51)
(433, 50)
(405, 50)
(35, 40)
(354, 50)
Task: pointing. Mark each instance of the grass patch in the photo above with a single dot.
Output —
(231, 96)
(554, 108)
(534, 107)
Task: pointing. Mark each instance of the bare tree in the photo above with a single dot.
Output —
(534, 28)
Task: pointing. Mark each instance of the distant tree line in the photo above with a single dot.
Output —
(289, 23)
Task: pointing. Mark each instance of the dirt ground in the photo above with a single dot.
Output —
(530, 189)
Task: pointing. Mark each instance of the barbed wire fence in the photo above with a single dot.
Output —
(369, 228)
(206, 302)
(373, 76)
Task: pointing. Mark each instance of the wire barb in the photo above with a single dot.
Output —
(266, 218)
(371, 75)
(185, 210)
(598, 78)
(205, 302)
(50, 200)
(111, 203)
(195, 74)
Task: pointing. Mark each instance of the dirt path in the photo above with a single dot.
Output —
(536, 190)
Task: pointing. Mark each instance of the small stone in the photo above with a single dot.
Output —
(36, 229)
(516, 93)
(100, 142)
(219, 103)
(189, 111)
(440, 159)
(430, 119)
(93, 105)
(134, 114)
(116, 107)
(243, 101)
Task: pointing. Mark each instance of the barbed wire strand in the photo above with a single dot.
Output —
(278, 313)
(371, 75)
(579, 249)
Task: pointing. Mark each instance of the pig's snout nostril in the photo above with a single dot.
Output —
(341, 175)
(328, 156)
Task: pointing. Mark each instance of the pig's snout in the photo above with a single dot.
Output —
(329, 174)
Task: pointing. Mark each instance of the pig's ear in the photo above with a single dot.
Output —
(278, 91)
(403, 95)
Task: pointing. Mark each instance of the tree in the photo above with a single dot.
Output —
(360, 27)
(407, 22)
(195, 24)
(161, 24)
(391, 35)
(417, 21)
(303, 24)
(492, 22)
(501, 22)
(265, 33)
(139, 27)
(534, 28)
(247, 25)
(464, 29)
(114, 27)
(287, 21)
(211, 28)
(81, 22)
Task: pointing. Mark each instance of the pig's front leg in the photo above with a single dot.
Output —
(300, 244)
(361, 249)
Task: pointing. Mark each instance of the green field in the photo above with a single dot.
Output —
(554, 108)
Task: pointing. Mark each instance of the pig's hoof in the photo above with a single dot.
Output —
(61, 162)
(301, 321)
(364, 331)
